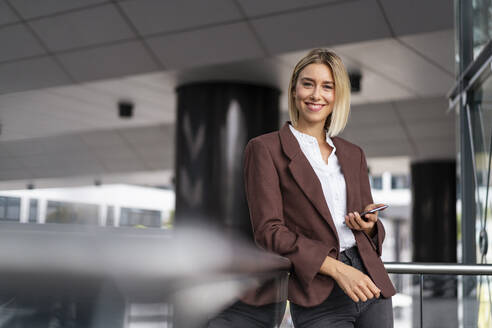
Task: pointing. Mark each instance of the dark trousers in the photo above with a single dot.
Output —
(242, 315)
(340, 311)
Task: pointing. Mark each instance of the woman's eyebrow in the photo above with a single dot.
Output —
(312, 80)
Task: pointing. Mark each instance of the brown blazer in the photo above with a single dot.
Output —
(290, 216)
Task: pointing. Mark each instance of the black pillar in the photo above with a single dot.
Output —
(434, 239)
(434, 211)
(215, 120)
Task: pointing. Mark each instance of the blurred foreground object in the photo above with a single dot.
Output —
(72, 276)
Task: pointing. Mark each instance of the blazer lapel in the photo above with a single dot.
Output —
(304, 175)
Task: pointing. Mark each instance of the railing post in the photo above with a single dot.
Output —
(421, 282)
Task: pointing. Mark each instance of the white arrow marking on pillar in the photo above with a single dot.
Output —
(194, 145)
(192, 193)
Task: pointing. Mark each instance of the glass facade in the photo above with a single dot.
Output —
(472, 98)
(131, 217)
(400, 181)
(9, 208)
(482, 24)
(77, 213)
(33, 210)
(377, 182)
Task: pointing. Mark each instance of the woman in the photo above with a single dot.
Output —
(305, 188)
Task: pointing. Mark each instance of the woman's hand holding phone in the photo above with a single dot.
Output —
(354, 220)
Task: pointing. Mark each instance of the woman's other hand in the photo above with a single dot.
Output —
(357, 285)
(355, 222)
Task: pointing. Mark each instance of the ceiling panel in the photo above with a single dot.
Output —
(135, 89)
(14, 174)
(225, 43)
(102, 139)
(371, 115)
(6, 14)
(416, 110)
(157, 16)
(436, 149)
(163, 152)
(52, 172)
(159, 81)
(38, 160)
(153, 103)
(417, 16)
(115, 152)
(432, 129)
(9, 163)
(106, 25)
(20, 123)
(62, 108)
(400, 64)
(377, 88)
(435, 46)
(99, 101)
(68, 144)
(150, 135)
(162, 158)
(90, 153)
(82, 161)
(18, 42)
(387, 148)
(378, 133)
(108, 62)
(31, 74)
(124, 164)
(20, 148)
(322, 26)
(34, 8)
(262, 7)
(3, 151)
(99, 107)
(104, 104)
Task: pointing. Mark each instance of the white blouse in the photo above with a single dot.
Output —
(332, 182)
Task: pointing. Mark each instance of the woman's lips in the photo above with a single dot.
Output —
(314, 107)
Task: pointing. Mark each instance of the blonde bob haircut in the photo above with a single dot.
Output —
(336, 121)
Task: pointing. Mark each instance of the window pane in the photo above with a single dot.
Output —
(110, 217)
(3, 201)
(377, 182)
(132, 217)
(400, 182)
(74, 213)
(13, 208)
(33, 210)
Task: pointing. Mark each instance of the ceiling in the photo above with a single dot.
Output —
(65, 64)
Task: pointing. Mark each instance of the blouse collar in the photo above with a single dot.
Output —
(310, 140)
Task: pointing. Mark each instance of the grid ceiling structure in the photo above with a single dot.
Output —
(65, 64)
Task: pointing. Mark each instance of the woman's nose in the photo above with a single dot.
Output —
(315, 93)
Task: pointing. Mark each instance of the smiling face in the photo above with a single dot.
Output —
(314, 95)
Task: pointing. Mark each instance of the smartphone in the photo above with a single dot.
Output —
(380, 208)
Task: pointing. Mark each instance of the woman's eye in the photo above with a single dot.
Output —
(328, 87)
(306, 84)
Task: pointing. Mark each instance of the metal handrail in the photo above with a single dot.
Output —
(473, 72)
(438, 268)
(422, 268)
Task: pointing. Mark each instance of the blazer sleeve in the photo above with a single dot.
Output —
(378, 238)
(264, 196)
